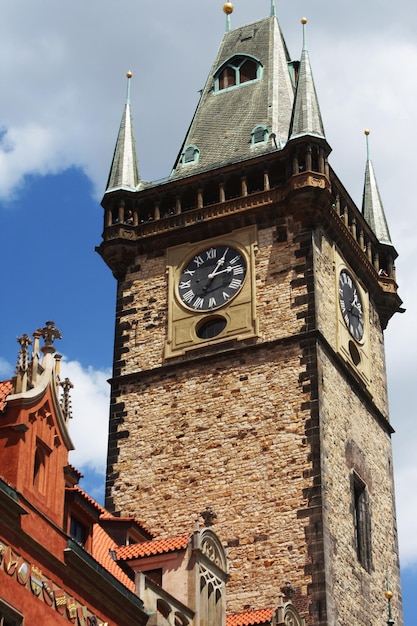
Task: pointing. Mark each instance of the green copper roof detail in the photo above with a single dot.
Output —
(306, 119)
(372, 207)
(273, 9)
(124, 171)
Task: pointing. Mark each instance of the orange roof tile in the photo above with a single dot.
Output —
(108, 516)
(152, 548)
(85, 496)
(6, 387)
(102, 544)
(249, 618)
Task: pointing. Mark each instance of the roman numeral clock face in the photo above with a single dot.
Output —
(351, 305)
(212, 278)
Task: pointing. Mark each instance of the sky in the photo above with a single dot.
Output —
(63, 77)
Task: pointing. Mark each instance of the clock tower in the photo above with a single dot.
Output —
(249, 370)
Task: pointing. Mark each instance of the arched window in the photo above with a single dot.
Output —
(259, 135)
(190, 155)
(236, 72)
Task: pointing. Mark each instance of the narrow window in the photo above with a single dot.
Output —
(362, 523)
(237, 71)
(78, 531)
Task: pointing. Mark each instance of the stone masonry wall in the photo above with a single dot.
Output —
(232, 430)
(354, 438)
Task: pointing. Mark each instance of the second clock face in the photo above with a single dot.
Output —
(212, 278)
(351, 305)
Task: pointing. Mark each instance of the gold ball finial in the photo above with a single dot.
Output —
(228, 8)
(389, 594)
(367, 131)
(303, 20)
(129, 74)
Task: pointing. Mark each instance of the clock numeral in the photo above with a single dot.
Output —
(212, 302)
(188, 295)
(198, 260)
(189, 272)
(185, 284)
(198, 303)
(211, 254)
(238, 270)
(235, 259)
(235, 283)
(225, 295)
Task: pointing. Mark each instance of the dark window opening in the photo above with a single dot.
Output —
(8, 616)
(211, 328)
(248, 71)
(78, 531)
(362, 523)
(155, 575)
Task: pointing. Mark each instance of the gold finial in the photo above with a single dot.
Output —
(228, 8)
(129, 74)
(367, 132)
(388, 594)
(303, 20)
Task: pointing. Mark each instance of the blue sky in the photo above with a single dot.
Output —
(63, 86)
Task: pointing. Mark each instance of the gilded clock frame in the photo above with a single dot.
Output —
(239, 313)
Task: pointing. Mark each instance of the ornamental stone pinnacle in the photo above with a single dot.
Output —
(66, 398)
(22, 359)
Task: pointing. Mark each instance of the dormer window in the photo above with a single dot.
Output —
(236, 72)
(259, 135)
(190, 155)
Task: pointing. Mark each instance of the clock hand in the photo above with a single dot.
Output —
(215, 273)
(219, 263)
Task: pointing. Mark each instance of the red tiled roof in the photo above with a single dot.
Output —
(152, 548)
(6, 387)
(108, 516)
(86, 497)
(249, 618)
(102, 544)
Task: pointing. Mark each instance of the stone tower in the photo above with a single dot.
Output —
(249, 372)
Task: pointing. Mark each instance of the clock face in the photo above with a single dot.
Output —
(212, 278)
(351, 305)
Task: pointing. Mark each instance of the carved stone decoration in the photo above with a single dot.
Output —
(211, 551)
(208, 516)
(49, 333)
(66, 398)
(292, 617)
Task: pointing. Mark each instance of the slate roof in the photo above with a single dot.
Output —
(6, 388)
(152, 548)
(223, 122)
(249, 618)
(124, 171)
(306, 117)
(372, 207)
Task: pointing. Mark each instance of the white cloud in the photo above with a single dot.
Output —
(90, 410)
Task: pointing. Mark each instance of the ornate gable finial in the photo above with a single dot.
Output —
(208, 516)
(49, 333)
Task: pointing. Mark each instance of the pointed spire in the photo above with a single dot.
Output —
(124, 172)
(228, 9)
(273, 9)
(372, 208)
(306, 119)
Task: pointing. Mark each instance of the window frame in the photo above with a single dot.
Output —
(235, 63)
